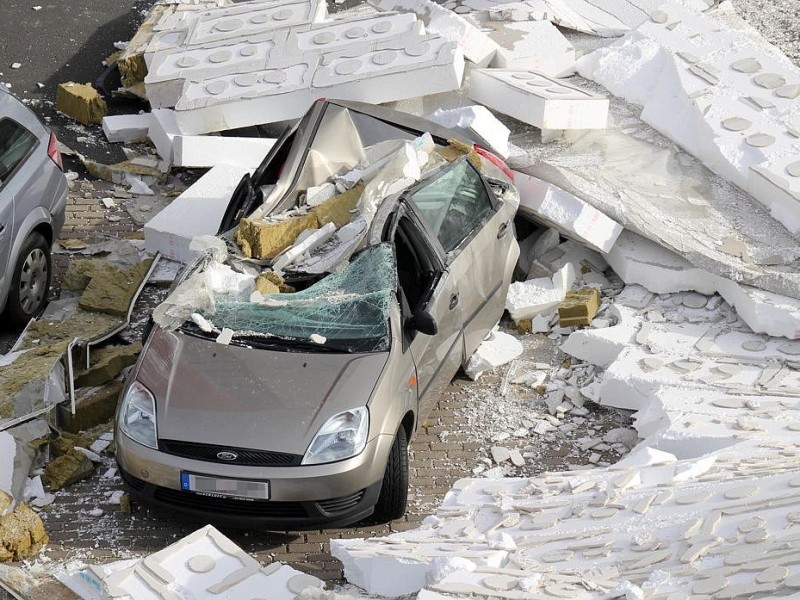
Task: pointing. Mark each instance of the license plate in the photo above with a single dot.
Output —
(223, 486)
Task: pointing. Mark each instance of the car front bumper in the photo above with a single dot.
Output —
(301, 497)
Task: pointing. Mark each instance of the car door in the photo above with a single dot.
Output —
(17, 186)
(475, 234)
(425, 285)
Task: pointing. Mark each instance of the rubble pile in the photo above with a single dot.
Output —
(658, 245)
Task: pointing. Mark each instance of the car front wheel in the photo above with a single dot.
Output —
(394, 490)
(30, 282)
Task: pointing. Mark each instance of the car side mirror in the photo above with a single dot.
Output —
(424, 322)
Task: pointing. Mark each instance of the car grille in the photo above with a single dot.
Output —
(339, 505)
(244, 457)
(231, 506)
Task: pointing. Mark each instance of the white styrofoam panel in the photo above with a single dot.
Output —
(197, 211)
(534, 46)
(475, 45)
(200, 151)
(569, 214)
(126, 128)
(538, 100)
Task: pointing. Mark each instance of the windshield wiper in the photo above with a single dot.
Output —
(288, 344)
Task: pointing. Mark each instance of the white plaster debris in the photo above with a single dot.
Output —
(197, 211)
(538, 100)
(497, 349)
(713, 86)
(203, 565)
(567, 213)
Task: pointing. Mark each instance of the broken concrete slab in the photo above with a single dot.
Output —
(81, 102)
(197, 211)
(570, 215)
(67, 469)
(266, 240)
(22, 534)
(538, 100)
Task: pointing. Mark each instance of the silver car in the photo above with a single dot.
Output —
(33, 198)
(278, 428)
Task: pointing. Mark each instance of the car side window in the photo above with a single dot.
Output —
(454, 204)
(16, 142)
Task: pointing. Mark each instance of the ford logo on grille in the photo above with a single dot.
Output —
(227, 456)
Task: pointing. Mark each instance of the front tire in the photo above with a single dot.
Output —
(30, 283)
(393, 498)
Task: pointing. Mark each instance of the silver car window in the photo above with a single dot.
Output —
(351, 306)
(16, 143)
(453, 204)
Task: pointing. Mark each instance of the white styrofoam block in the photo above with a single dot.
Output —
(479, 122)
(167, 71)
(602, 346)
(533, 46)
(476, 46)
(639, 260)
(578, 15)
(210, 150)
(197, 211)
(567, 213)
(162, 132)
(538, 100)
(8, 449)
(204, 565)
(526, 299)
(126, 128)
(391, 70)
(497, 349)
(246, 20)
(721, 92)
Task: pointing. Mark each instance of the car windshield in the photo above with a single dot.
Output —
(346, 311)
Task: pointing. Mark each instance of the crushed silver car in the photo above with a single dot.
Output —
(357, 269)
(33, 199)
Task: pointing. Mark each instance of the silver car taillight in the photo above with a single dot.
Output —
(53, 152)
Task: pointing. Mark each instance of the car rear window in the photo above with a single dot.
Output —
(16, 144)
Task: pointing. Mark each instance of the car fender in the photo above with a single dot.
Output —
(33, 219)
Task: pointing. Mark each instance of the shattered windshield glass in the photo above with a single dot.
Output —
(350, 309)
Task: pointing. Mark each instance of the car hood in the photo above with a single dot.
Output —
(250, 398)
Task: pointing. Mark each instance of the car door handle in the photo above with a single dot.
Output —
(502, 231)
(453, 301)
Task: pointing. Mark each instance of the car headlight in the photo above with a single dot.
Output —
(342, 436)
(137, 415)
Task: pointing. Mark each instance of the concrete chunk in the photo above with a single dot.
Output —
(106, 364)
(67, 469)
(81, 102)
(113, 291)
(93, 406)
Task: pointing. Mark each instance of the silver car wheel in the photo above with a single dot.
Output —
(33, 281)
